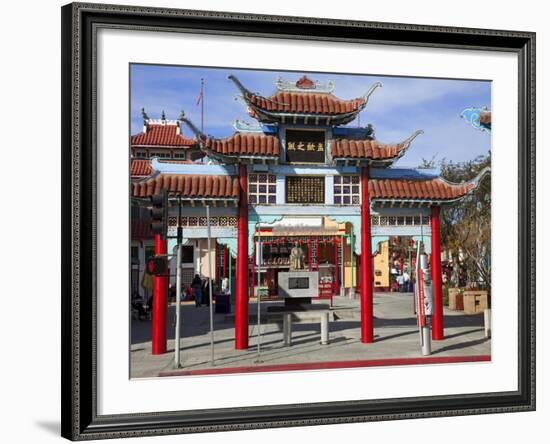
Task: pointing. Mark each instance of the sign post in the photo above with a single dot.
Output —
(423, 299)
(178, 291)
(210, 305)
(258, 298)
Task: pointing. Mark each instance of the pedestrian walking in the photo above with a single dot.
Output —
(206, 292)
(400, 282)
(406, 281)
(196, 285)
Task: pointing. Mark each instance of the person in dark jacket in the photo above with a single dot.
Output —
(196, 285)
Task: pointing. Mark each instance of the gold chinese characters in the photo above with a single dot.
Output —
(309, 146)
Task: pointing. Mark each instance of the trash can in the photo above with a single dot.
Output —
(223, 303)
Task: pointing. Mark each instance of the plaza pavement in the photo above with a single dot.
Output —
(395, 336)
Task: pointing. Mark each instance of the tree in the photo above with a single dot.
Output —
(466, 225)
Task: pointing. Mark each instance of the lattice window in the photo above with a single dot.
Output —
(232, 221)
(141, 154)
(184, 221)
(213, 221)
(179, 155)
(399, 220)
(172, 221)
(193, 221)
(262, 189)
(161, 154)
(347, 190)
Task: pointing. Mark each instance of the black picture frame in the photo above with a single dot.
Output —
(79, 172)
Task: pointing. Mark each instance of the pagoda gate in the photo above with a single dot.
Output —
(298, 175)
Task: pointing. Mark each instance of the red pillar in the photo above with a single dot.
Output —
(309, 264)
(367, 331)
(253, 270)
(437, 316)
(241, 288)
(160, 292)
(336, 286)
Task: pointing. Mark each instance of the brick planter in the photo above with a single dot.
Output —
(456, 301)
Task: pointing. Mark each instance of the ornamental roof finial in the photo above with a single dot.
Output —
(305, 82)
(163, 116)
(371, 90)
(239, 85)
(144, 115)
(198, 133)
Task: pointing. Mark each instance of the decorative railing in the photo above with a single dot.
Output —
(395, 221)
(200, 221)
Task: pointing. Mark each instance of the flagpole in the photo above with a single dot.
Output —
(202, 105)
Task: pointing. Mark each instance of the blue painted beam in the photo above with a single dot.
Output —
(404, 173)
(193, 168)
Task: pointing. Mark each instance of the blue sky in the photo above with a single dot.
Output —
(396, 110)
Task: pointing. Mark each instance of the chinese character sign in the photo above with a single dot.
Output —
(305, 189)
(305, 146)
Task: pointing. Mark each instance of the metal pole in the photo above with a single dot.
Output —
(178, 308)
(487, 322)
(258, 296)
(417, 292)
(178, 291)
(210, 285)
(409, 270)
(426, 333)
(426, 341)
(230, 271)
(202, 105)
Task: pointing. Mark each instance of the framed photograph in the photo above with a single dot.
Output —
(280, 221)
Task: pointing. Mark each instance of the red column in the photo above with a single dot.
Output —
(241, 284)
(437, 316)
(224, 266)
(309, 264)
(336, 286)
(253, 270)
(367, 331)
(160, 292)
